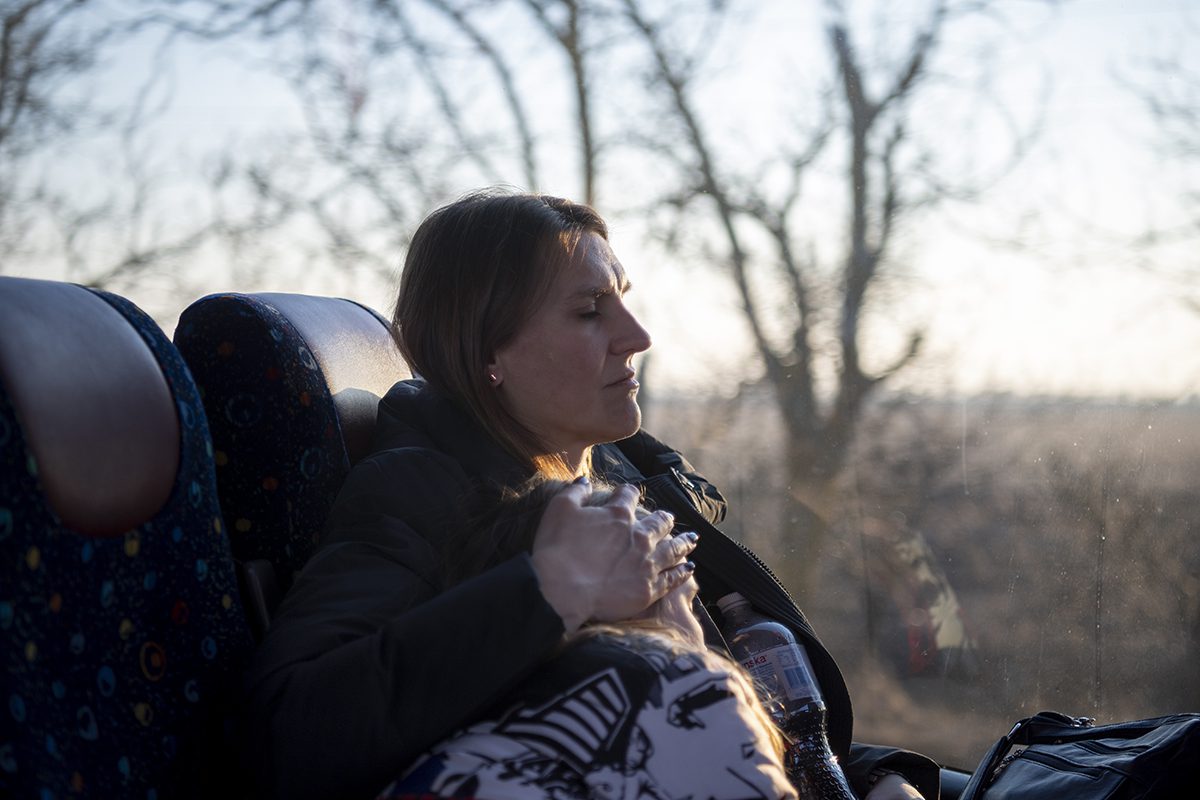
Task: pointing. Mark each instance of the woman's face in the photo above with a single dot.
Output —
(566, 375)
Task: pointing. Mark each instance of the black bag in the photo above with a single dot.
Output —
(1051, 756)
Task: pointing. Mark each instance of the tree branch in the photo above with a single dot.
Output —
(676, 84)
(451, 113)
(570, 38)
(507, 84)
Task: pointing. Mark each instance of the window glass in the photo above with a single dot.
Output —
(921, 274)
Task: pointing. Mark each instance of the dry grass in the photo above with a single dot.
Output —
(1067, 530)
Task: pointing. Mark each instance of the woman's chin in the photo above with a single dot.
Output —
(633, 418)
(628, 428)
(616, 425)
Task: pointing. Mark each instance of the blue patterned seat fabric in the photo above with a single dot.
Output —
(118, 650)
(290, 383)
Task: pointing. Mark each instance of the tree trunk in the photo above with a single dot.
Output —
(810, 504)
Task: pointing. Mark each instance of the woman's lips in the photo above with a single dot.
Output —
(628, 381)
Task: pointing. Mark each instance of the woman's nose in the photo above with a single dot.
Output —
(632, 337)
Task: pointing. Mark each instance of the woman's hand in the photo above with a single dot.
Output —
(893, 787)
(599, 563)
(675, 610)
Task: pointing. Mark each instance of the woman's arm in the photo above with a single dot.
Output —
(364, 668)
(366, 665)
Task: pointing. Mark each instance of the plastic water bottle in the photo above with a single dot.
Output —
(768, 650)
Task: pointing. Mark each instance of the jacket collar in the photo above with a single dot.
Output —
(413, 414)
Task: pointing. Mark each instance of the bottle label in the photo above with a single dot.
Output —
(783, 670)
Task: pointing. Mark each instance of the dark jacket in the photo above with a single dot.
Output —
(349, 686)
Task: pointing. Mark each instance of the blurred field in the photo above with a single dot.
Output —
(1066, 529)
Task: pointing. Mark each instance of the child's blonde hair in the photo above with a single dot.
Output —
(507, 528)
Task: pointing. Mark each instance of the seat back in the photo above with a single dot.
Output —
(291, 384)
(120, 622)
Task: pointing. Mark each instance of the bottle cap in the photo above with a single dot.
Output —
(731, 600)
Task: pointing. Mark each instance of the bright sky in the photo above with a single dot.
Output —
(1072, 311)
(1033, 288)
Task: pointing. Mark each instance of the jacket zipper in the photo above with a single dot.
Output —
(683, 484)
(670, 486)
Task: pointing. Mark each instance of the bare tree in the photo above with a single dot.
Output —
(569, 33)
(42, 49)
(110, 233)
(400, 100)
(886, 176)
(405, 101)
(347, 188)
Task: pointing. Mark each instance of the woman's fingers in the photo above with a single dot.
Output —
(675, 610)
(671, 551)
(624, 498)
(660, 522)
(669, 579)
(602, 562)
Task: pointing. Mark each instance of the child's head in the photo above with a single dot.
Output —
(507, 528)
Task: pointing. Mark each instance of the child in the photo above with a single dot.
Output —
(637, 710)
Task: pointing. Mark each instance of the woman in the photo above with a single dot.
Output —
(511, 309)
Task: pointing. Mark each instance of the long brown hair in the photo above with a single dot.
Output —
(476, 271)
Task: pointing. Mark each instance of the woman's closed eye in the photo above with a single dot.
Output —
(593, 308)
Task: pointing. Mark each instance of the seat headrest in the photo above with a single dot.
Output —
(91, 399)
(355, 354)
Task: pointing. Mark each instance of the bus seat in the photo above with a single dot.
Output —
(122, 630)
(291, 384)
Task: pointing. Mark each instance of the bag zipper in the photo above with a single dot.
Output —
(1003, 765)
(1056, 762)
(1019, 744)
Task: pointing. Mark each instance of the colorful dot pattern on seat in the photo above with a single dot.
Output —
(279, 449)
(117, 651)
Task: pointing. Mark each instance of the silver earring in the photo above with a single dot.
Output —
(492, 379)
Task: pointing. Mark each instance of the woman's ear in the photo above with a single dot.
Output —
(494, 373)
